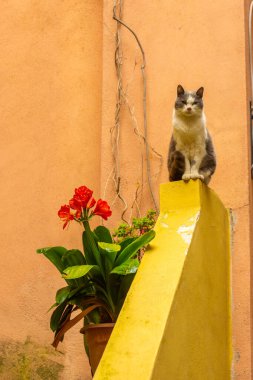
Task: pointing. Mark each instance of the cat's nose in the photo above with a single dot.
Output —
(189, 109)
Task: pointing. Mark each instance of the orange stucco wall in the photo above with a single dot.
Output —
(247, 6)
(57, 100)
(50, 99)
(196, 44)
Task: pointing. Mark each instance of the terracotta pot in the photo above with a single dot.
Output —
(97, 338)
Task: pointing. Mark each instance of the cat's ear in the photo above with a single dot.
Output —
(180, 90)
(200, 92)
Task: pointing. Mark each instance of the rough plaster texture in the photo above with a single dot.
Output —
(196, 44)
(28, 360)
(177, 52)
(247, 5)
(50, 100)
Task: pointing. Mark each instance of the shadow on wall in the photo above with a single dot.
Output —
(28, 360)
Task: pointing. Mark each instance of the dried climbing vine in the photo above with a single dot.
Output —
(122, 98)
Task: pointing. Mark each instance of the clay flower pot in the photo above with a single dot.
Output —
(97, 338)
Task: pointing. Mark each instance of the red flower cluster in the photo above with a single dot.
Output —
(82, 202)
(65, 214)
(102, 209)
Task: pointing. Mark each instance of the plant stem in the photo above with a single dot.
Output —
(96, 252)
(93, 245)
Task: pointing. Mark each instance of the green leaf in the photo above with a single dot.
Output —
(125, 284)
(54, 254)
(102, 294)
(64, 319)
(70, 258)
(108, 247)
(80, 295)
(109, 252)
(94, 316)
(92, 244)
(62, 294)
(73, 257)
(133, 247)
(89, 256)
(96, 272)
(76, 271)
(55, 304)
(124, 243)
(56, 316)
(103, 234)
(128, 267)
(85, 288)
(80, 300)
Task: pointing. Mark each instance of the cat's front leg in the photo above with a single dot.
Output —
(187, 173)
(195, 164)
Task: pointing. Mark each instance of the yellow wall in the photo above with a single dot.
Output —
(176, 320)
(50, 99)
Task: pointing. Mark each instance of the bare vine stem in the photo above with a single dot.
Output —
(144, 79)
(115, 131)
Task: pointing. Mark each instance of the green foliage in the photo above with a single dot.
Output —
(56, 316)
(124, 230)
(99, 279)
(138, 227)
(125, 234)
(62, 295)
(134, 247)
(76, 271)
(103, 234)
(146, 223)
(54, 254)
(128, 267)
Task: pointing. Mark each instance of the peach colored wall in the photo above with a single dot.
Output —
(194, 43)
(247, 6)
(50, 99)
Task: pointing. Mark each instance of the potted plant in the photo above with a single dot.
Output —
(137, 228)
(98, 279)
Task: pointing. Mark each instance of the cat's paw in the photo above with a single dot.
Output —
(197, 176)
(186, 177)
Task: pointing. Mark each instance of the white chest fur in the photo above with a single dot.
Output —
(190, 135)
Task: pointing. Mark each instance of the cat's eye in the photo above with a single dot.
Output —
(194, 103)
(184, 102)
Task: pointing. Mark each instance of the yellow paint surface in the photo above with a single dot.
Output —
(175, 323)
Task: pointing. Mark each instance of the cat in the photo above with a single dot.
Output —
(191, 152)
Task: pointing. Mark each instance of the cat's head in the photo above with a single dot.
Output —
(189, 103)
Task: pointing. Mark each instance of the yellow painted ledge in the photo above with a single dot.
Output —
(175, 322)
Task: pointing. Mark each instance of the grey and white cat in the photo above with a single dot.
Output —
(191, 151)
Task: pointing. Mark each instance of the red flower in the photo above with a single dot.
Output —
(65, 215)
(91, 203)
(75, 204)
(81, 199)
(102, 209)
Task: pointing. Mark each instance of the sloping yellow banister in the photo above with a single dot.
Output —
(175, 322)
